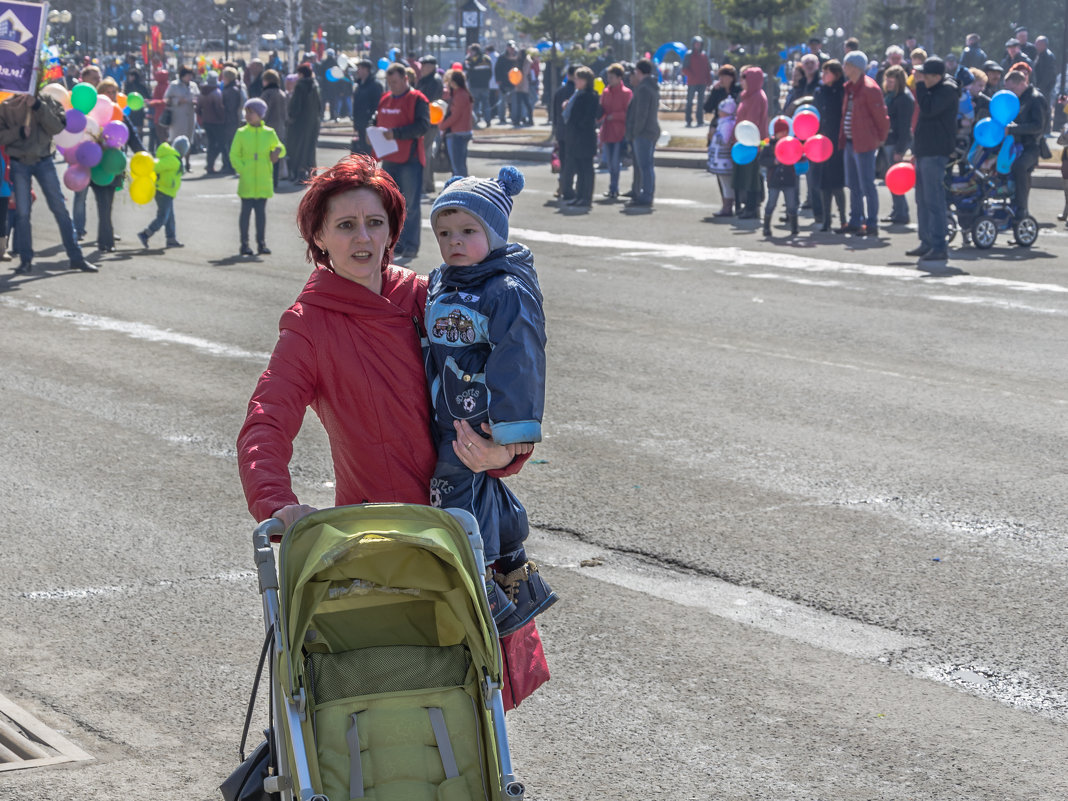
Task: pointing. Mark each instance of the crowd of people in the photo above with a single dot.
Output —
(911, 106)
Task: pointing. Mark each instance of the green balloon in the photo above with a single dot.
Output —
(102, 177)
(135, 101)
(83, 97)
(113, 161)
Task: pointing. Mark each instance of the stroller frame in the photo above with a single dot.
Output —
(292, 706)
(980, 215)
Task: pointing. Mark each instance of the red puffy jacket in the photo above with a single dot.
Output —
(871, 123)
(354, 357)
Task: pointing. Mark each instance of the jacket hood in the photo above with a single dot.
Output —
(513, 259)
(166, 149)
(753, 79)
(328, 290)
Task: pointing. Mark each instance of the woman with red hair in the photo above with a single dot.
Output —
(350, 349)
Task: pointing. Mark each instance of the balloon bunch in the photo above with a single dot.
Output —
(143, 173)
(1004, 106)
(94, 136)
(803, 140)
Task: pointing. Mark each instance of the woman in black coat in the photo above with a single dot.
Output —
(899, 107)
(302, 124)
(829, 176)
(726, 85)
(580, 136)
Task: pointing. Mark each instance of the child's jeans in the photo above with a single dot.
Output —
(790, 193)
(164, 217)
(502, 520)
(248, 205)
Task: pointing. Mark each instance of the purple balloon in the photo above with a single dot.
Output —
(115, 134)
(76, 178)
(75, 121)
(89, 154)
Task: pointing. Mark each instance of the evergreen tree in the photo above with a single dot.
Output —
(765, 28)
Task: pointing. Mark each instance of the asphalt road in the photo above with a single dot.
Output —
(803, 501)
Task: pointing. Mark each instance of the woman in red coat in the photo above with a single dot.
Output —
(614, 101)
(349, 348)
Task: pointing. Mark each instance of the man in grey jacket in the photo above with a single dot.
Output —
(27, 125)
(643, 129)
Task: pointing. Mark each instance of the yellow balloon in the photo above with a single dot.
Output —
(598, 85)
(142, 190)
(142, 165)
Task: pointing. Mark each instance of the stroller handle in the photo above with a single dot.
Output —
(266, 532)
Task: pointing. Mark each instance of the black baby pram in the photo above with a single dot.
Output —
(980, 198)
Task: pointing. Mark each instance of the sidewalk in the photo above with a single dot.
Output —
(685, 146)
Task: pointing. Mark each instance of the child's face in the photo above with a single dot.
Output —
(461, 238)
(252, 118)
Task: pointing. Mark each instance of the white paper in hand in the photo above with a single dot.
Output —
(382, 146)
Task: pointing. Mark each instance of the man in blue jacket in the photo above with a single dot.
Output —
(933, 142)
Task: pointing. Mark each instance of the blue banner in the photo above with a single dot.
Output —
(22, 27)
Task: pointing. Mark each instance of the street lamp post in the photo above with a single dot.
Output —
(226, 12)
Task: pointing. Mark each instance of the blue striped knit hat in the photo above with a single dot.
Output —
(490, 201)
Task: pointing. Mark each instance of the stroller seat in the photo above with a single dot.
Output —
(395, 723)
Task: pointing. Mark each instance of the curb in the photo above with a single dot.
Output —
(1045, 177)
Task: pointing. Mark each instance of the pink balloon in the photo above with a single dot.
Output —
(806, 125)
(102, 110)
(115, 134)
(788, 150)
(819, 148)
(76, 178)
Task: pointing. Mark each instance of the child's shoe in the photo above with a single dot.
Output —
(530, 593)
(501, 606)
(142, 237)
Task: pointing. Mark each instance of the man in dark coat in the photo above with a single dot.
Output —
(643, 129)
(1044, 76)
(303, 118)
(365, 99)
(1014, 55)
(508, 61)
(479, 69)
(973, 55)
(936, 130)
(233, 101)
(431, 86)
(1028, 129)
(210, 111)
(566, 185)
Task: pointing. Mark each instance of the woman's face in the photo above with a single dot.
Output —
(355, 235)
(891, 83)
(726, 80)
(828, 77)
(613, 79)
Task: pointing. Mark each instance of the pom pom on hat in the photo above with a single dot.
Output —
(489, 201)
(181, 144)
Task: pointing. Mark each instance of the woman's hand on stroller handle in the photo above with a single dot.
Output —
(292, 513)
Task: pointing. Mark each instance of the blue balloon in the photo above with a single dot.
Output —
(989, 132)
(383, 63)
(808, 107)
(743, 154)
(801, 167)
(1004, 106)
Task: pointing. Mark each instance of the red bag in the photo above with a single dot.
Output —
(525, 668)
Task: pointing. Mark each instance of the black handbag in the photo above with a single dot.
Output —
(246, 782)
(166, 117)
(439, 155)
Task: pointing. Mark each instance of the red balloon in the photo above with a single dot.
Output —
(901, 178)
(806, 124)
(819, 148)
(456, 65)
(788, 150)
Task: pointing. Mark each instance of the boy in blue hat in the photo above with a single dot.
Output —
(485, 328)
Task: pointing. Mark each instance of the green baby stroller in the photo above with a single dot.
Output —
(386, 668)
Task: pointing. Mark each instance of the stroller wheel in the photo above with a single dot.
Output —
(984, 232)
(1026, 231)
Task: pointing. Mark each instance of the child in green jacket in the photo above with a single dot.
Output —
(168, 181)
(253, 154)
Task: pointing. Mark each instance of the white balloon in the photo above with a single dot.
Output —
(67, 139)
(343, 61)
(747, 133)
(92, 130)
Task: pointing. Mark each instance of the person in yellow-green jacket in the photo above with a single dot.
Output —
(253, 154)
(168, 180)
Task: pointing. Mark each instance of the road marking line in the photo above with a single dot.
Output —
(138, 331)
(745, 605)
(80, 593)
(751, 258)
